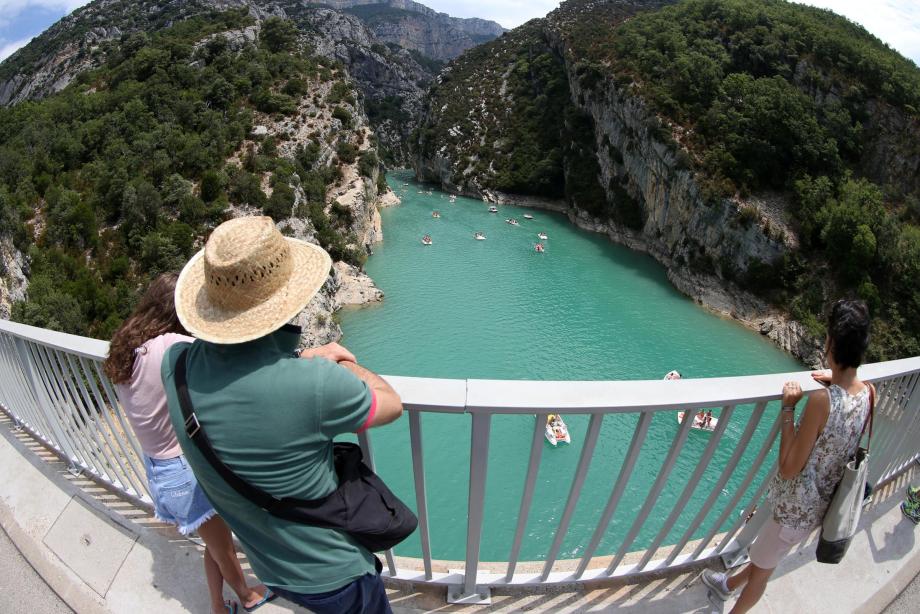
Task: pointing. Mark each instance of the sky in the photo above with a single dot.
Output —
(897, 22)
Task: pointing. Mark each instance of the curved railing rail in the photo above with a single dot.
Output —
(52, 384)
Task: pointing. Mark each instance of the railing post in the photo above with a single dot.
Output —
(364, 440)
(746, 538)
(468, 592)
(421, 495)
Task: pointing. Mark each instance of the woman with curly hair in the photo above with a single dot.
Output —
(133, 365)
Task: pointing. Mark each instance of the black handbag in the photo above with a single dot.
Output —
(361, 506)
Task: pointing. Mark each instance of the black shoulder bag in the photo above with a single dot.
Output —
(361, 506)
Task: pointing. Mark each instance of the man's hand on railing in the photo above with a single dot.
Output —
(331, 351)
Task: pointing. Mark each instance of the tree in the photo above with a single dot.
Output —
(160, 255)
(278, 34)
(49, 307)
(212, 184)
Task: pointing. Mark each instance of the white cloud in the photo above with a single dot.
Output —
(8, 49)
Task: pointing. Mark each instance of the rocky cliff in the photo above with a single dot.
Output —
(14, 282)
(414, 26)
(389, 78)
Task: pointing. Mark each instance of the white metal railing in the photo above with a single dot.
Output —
(52, 385)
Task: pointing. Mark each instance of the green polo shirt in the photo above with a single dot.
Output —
(271, 418)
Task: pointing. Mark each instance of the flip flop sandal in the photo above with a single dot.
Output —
(269, 596)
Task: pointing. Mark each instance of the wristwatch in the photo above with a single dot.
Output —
(789, 408)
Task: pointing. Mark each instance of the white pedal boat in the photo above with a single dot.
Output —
(556, 430)
(698, 422)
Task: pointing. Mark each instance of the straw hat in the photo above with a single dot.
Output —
(248, 281)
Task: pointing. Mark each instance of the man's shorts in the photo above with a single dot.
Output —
(177, 497)
(773, 542)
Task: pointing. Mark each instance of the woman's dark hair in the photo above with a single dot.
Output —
(154, 315)
(848, 332)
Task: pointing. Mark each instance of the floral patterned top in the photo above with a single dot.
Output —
(800, 502)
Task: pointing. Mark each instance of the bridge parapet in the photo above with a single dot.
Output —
(52, 385)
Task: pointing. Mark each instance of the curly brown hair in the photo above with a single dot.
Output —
(154, 315)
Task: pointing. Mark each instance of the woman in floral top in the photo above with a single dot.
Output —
(812, 455)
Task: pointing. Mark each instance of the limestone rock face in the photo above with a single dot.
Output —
(346, 286)
(14, 268)
(351, 192)
(389, 78)
(420, 28)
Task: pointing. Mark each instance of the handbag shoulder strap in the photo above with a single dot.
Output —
(196, 433)
(869, 418)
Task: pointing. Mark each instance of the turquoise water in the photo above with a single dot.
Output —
(586, 309)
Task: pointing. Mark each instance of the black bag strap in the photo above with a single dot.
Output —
(200, 439)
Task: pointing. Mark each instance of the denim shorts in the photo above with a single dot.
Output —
(177, 497)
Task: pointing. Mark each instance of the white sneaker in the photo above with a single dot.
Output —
(715, 582)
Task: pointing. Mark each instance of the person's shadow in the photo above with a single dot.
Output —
(897, 543)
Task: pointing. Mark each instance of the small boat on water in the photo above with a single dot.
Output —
(542, 236)
(513, 221)
(436, 214)
(539, 248)
(699, 421)
(527, 216)
(493, 209)
(426, 240)
(453, 198)
(556, 430)
(479, 236)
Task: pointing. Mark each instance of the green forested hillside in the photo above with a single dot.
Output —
(765, 97)
(775, 95)
(119, 177)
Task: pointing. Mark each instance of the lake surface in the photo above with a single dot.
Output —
(585, 309)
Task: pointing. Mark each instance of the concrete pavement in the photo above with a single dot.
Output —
(908, 602)
(22, 591)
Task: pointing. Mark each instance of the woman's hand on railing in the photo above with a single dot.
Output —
(792, 394)
(822, 376)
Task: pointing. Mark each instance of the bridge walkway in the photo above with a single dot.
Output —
(160, 571)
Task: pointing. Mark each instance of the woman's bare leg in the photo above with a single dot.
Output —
(756, 584)
(219, 542)
(739, 579)
(215, 583)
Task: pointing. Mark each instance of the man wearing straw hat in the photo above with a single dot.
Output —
(270, 415)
